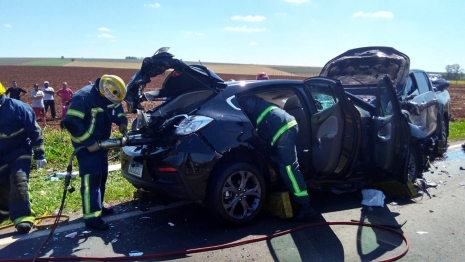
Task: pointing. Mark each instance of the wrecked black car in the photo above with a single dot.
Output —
(200, 146)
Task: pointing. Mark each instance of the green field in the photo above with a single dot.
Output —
(48, 62)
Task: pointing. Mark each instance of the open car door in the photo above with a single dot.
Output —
(391, 131)
(335, 125)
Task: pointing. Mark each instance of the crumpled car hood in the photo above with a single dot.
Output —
(368, 65)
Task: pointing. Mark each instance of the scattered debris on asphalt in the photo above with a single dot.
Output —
(373, 197)
(422, 232)
(71, 235)
(116, 237)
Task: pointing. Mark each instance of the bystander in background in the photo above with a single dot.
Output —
(66, 94)
(15, 91)
(38, 104)
(49, 101)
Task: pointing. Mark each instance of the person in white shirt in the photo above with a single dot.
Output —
(38, 104)
(49, 92)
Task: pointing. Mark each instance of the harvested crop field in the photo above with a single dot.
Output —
(77, 77)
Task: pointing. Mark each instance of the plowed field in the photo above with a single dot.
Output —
(77, 77)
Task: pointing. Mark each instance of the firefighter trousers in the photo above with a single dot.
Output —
(14, 192)
(289, 166)
(93, 170)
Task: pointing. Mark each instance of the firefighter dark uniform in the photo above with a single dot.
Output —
(20, 136)
(280, 129)
(89, 119)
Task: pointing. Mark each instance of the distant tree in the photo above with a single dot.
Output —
(131, 57)
(454, 72)
(62, 57)
(72, 60)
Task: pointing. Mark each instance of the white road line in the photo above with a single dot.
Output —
(81, 227)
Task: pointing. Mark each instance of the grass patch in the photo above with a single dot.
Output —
(456, 130)
(48, 62)
(46, 195)
(457, 82)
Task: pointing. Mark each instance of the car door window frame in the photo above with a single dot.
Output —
(422, 82)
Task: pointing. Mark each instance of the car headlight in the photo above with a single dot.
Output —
(192, 124)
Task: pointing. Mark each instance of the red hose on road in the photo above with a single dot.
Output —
(227, 245)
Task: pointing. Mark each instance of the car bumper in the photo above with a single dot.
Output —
(179, 172)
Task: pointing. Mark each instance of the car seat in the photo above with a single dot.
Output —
(294, 107)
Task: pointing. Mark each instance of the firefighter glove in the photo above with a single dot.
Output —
(123, 128)
(41, 163)
(94, 147)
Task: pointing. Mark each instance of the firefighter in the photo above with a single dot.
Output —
(89, 119)
(20, 135)
(277, 127)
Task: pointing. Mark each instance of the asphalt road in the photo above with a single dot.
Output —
(433, 227)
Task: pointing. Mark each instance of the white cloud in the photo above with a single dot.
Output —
(379, 14)
(253, 43)
(249, 18)
(243, 29)
(296, 1)
(104, 29)
(106, 36)
(7, 25)
(152, 5)
(193, 33)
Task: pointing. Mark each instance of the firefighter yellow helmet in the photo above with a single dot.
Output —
(113, 88)
(2, 89)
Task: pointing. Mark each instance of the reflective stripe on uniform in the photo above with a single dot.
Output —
(295, 185)
(23, 157)
(3, 167)
(91, 128)
(76, 113)
(93, 214)
(113, 105)
(5, 136)
(38, 148)
(86, 194)
(121, 115)
(264, 113)
(19, 158)
(23, 219)
(86, 200)
(283, 129)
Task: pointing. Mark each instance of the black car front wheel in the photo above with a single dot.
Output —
(236, 193)
(415, 165)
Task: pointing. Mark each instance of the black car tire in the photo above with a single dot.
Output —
(236, 193)
(415, 165)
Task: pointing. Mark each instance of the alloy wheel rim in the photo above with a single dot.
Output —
(241, 195)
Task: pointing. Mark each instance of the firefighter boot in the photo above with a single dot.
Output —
(24, 227)
(305, 212)
(98, 224)
(107, 210)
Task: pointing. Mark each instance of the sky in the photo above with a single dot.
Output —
(265, 32)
